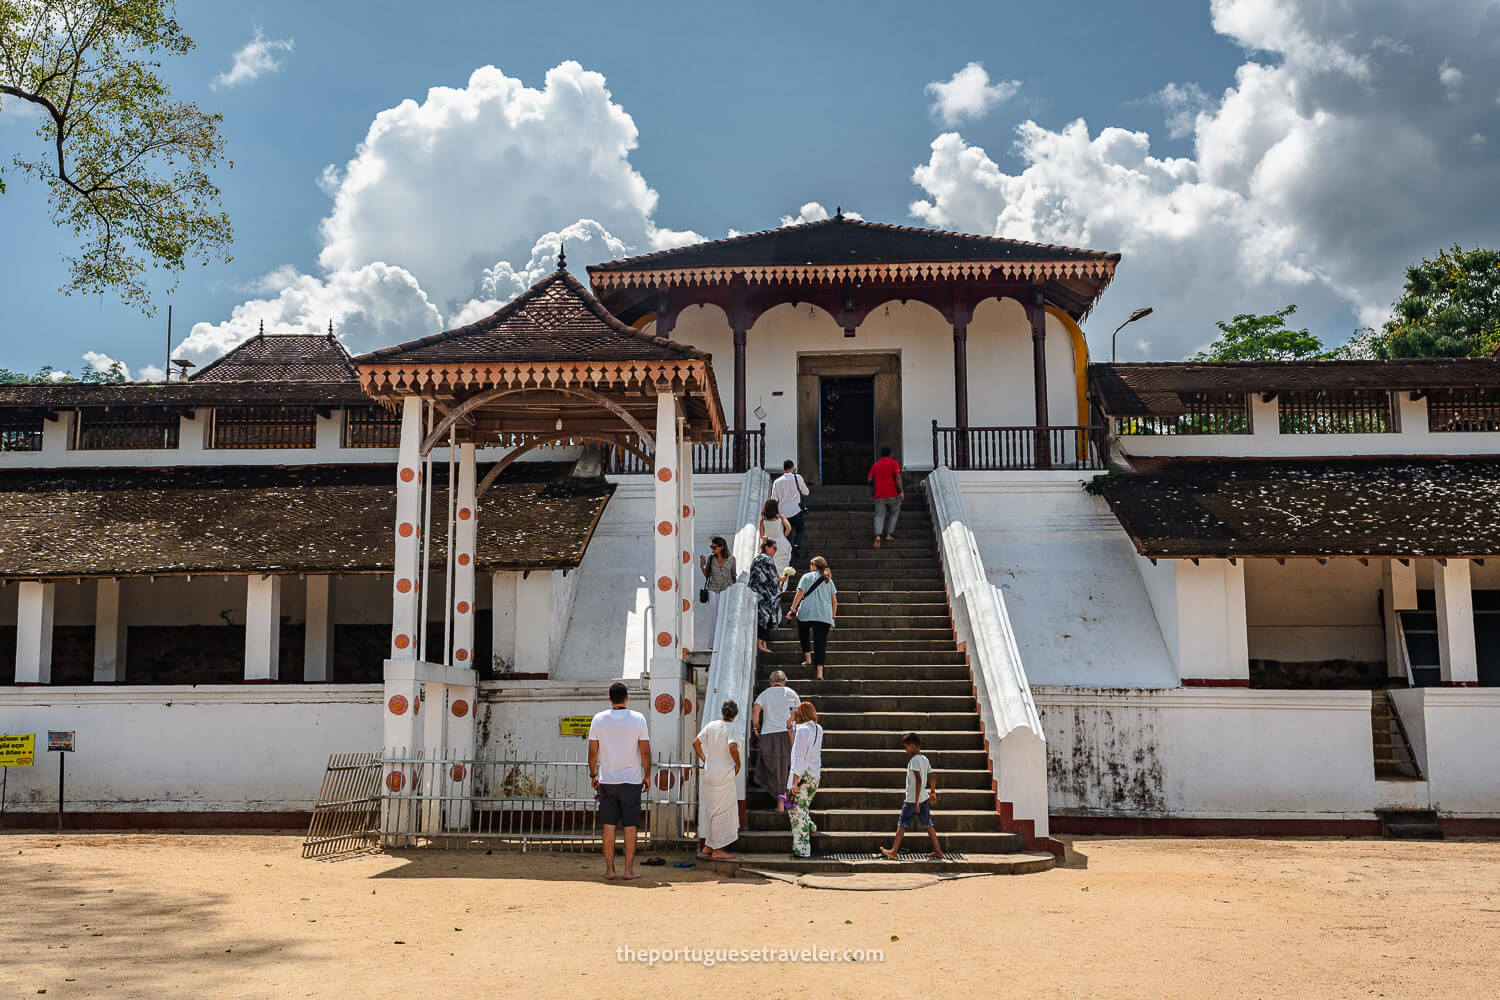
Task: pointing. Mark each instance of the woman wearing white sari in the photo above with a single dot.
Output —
(718, 749)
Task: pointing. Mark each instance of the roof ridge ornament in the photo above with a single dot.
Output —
(562, 256)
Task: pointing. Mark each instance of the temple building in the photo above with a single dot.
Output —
(1167, 597)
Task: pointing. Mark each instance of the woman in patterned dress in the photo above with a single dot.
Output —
(765, 584)
(802, 783)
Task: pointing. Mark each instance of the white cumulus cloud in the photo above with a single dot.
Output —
(259, 56)
(812, 211)
(1329, 165)
(968, 94)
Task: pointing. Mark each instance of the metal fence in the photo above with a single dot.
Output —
(427, 799)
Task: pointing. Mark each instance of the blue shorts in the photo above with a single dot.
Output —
(912, 814)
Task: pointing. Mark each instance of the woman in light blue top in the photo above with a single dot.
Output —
(815, 607)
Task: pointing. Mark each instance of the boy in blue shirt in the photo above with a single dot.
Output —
(921, 796)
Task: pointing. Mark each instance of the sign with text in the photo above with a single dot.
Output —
(60, 740)
(575, 725)
(17, 750)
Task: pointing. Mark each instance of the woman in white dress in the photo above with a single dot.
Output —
(776, 528)
(718, 750)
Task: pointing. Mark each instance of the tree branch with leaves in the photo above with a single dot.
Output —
(127, 168)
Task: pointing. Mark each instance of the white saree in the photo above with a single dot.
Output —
(718, 804)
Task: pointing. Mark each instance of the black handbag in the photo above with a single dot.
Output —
(702, 595)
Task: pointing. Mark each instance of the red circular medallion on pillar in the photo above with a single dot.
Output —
(665, 779)
(463, 607)
(664, 528)
(397, 704)
(664, 638)
(457, 772)
(460, 708)
(686, 604)
(402, 641)
(464, 513)
(407, 475)
(416, 705)
(687, 557)
(665, 703)
(665, 475)
(460, 655)
(463, 559)
(403, 585)
(405, 530)
(687, 707)
(395, 781)
(686, 511)
(664, 583)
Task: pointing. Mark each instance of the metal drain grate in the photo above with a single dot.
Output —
(903, 856)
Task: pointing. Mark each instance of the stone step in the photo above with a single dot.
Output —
(892, 594)
(935, 610)
(870, 664)
(896, 723)
(854, 842)
(922, 704)
(878, 821)
(835, 540)
(883, 757)
(848, 619)
(886, 801)
(875, 739)
(862, 776)
(903, 638)
(1015, 863)
(848, 687)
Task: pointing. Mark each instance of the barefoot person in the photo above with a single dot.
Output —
(921, 796)
(718, 749)
(619, 768)
(769, 717)
(885, 477)
(765, 584)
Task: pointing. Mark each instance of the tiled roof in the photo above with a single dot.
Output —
(845, 241)
(1156, 387)
(66, 395)
(329, 518)
(557, 319)
(282, 357)
(1313, 507)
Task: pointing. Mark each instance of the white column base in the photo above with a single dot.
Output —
(109, 634)
(34, 609)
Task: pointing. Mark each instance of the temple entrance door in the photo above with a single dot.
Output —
(846, 415)
(848, 406)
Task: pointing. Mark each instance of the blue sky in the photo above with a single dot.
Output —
(745, 113)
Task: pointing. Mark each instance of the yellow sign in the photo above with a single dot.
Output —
(574, 725)
(18, 751)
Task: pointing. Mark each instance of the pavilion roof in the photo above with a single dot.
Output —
(324, 518)
(556, 320)
(1393, 506)
(1158, 388)
(283, 357)
(844, 250)
(210, 392)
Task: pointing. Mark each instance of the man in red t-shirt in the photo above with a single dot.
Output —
(885, 476)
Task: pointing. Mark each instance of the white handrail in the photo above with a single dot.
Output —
(1018, 747)
(731, 671)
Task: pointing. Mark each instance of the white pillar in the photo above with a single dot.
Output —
(405, 603)
(317, 643)
(1265, 416)
(109, 634)
(1399, 581)
(689, 575)
(465, 532)
(1457, 654)
(262, 627)
(1213, 639)
(503, 618)
(534, 623)
(34, 605)
(667, 595)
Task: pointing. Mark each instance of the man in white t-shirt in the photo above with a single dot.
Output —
(619, 769)
(769, 718)
(788, 491)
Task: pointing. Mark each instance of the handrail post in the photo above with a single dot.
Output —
(935, 463)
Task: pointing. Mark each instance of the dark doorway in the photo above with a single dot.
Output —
(846, 417)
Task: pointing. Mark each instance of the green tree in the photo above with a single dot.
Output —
(49, 375)
(1449, 309)
(126, 166)
(1249, 337)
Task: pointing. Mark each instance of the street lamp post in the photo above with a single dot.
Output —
(1140, 313)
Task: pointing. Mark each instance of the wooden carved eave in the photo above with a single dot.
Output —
(845, 274)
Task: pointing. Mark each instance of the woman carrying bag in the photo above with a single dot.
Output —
(815, 606)
(766, 586)
(719, 574)
(802, 783)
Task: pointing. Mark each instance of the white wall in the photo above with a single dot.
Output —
(1076, 598)
(999, 357)
(1220, 753)
(1460, 734)
(1305, 611)
(520, 718)
(608, 636)
(186, 748)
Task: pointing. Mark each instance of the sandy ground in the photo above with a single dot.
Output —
(90, 915)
